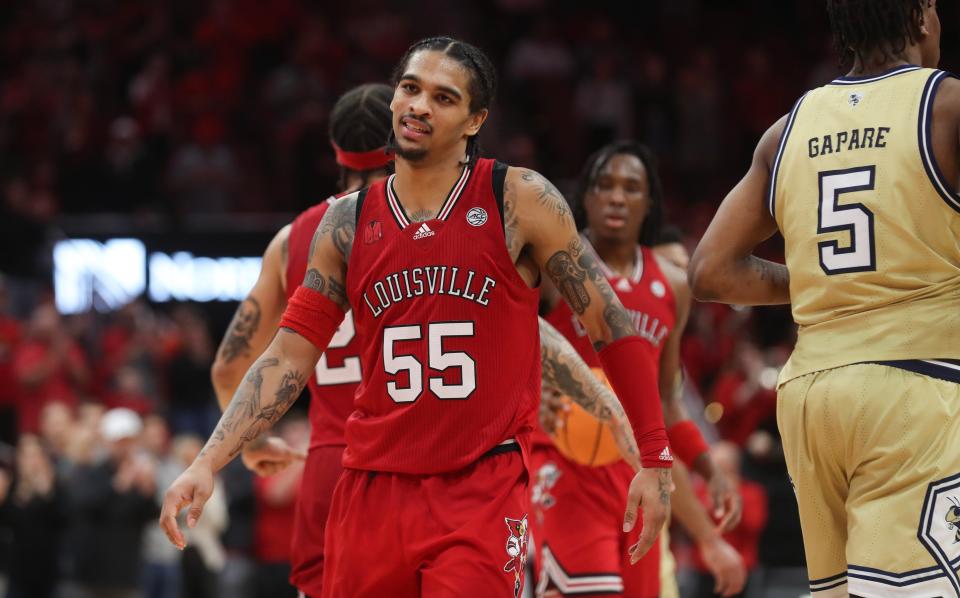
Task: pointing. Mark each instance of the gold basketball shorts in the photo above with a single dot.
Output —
(873, 452)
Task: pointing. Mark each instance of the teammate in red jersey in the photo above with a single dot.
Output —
(359, 127)
(618, 203)
(440, 264)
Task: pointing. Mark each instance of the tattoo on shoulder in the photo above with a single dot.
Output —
(570, 270)
(547, 194)
(246, 320)
(328, 286)
(511, 223)
(340, 224)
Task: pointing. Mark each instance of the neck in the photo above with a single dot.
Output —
(423, 185)
(618, 256)
(878, 62)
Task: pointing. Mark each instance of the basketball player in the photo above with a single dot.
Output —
(359, 127)
(619, 202)
(440, 264)
(861, 180)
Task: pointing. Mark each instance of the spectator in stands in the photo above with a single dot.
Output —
(162, 561)
(276, 498)
(193, 408)
(108, 502)
(9, 340)
(32, 512)
(49, 366)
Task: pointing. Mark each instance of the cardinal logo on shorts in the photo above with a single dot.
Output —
(516, 550)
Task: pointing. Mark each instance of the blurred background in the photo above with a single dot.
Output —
(150, 149)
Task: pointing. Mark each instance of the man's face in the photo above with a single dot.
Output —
(619, 200)
(431, 107)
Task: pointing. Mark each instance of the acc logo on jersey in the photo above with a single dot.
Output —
(476, 217)
(517, 551)
(940, 525)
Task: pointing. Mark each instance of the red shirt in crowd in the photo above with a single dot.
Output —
(59, 385)
(276, 499)
(9, 339)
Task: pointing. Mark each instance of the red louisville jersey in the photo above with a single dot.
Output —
(338, 372)
(448, 332)
(648, 298)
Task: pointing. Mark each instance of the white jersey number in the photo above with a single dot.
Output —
(860, 254)
(439, 360)
(349, 372)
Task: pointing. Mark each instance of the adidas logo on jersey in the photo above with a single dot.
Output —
(665, 454)
(423, 232)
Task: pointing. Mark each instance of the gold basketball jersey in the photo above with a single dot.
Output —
(870, 225)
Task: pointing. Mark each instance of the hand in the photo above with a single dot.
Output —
(650, 489)
(268, 455)
(726, 566)
(551, 406)
(193, 488)
(727, 503)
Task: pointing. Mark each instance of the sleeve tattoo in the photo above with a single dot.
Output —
(565, 371)
(570, 270)
(246, 320)
(248, 413)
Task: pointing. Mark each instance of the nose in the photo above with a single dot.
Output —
(419, 105)
(617, 197)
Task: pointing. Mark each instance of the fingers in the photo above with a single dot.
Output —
(634, 498)
(734, 510)
(172, 503)
(653, 519)
(196, 507)
(730, 581)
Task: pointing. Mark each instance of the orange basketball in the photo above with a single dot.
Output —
(582, 438)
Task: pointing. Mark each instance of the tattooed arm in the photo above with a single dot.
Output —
(274, 381)
(539, 229)
(564, 370)
(254, 322)
(723, 267)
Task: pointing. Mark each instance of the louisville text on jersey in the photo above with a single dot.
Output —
(428, 280)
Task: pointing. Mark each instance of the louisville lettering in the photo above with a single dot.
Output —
(429, 280)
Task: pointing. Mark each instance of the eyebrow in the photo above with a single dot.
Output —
(443, 88)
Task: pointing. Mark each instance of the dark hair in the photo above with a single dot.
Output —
(483, 76)
(861, 27)
(650, 231)
(361, 121)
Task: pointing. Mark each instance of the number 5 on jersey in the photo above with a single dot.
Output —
(396, 363)
(854, 218)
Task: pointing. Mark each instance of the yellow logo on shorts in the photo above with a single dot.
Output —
(953, 518)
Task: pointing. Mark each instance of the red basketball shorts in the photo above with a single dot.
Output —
(462, 534)
(320, 474)
(577, 527)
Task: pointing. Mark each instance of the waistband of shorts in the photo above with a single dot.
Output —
(943, 369)
(507, 446)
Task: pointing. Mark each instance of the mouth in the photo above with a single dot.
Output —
(413, 129)
(614, 221)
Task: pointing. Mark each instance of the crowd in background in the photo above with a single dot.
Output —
(166, 110)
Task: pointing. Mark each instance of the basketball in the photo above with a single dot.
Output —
(581, 437)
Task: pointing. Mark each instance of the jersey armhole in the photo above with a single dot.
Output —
(775, 169)
(499, 177)
(361, 195)
(924, 134)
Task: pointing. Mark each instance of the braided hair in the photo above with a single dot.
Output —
(652, 224)
(862, 27)
(483, 76)
(360, 122)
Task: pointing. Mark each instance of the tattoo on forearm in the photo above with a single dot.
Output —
(327, 286)
(246, 320)
(777, 274)
(560, 371)
(247, 412)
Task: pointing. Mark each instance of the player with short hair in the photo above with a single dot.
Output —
(861, 180)
(618, 207)
(359, 127)
(440, 264)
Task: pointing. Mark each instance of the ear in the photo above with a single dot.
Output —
(476, 121)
